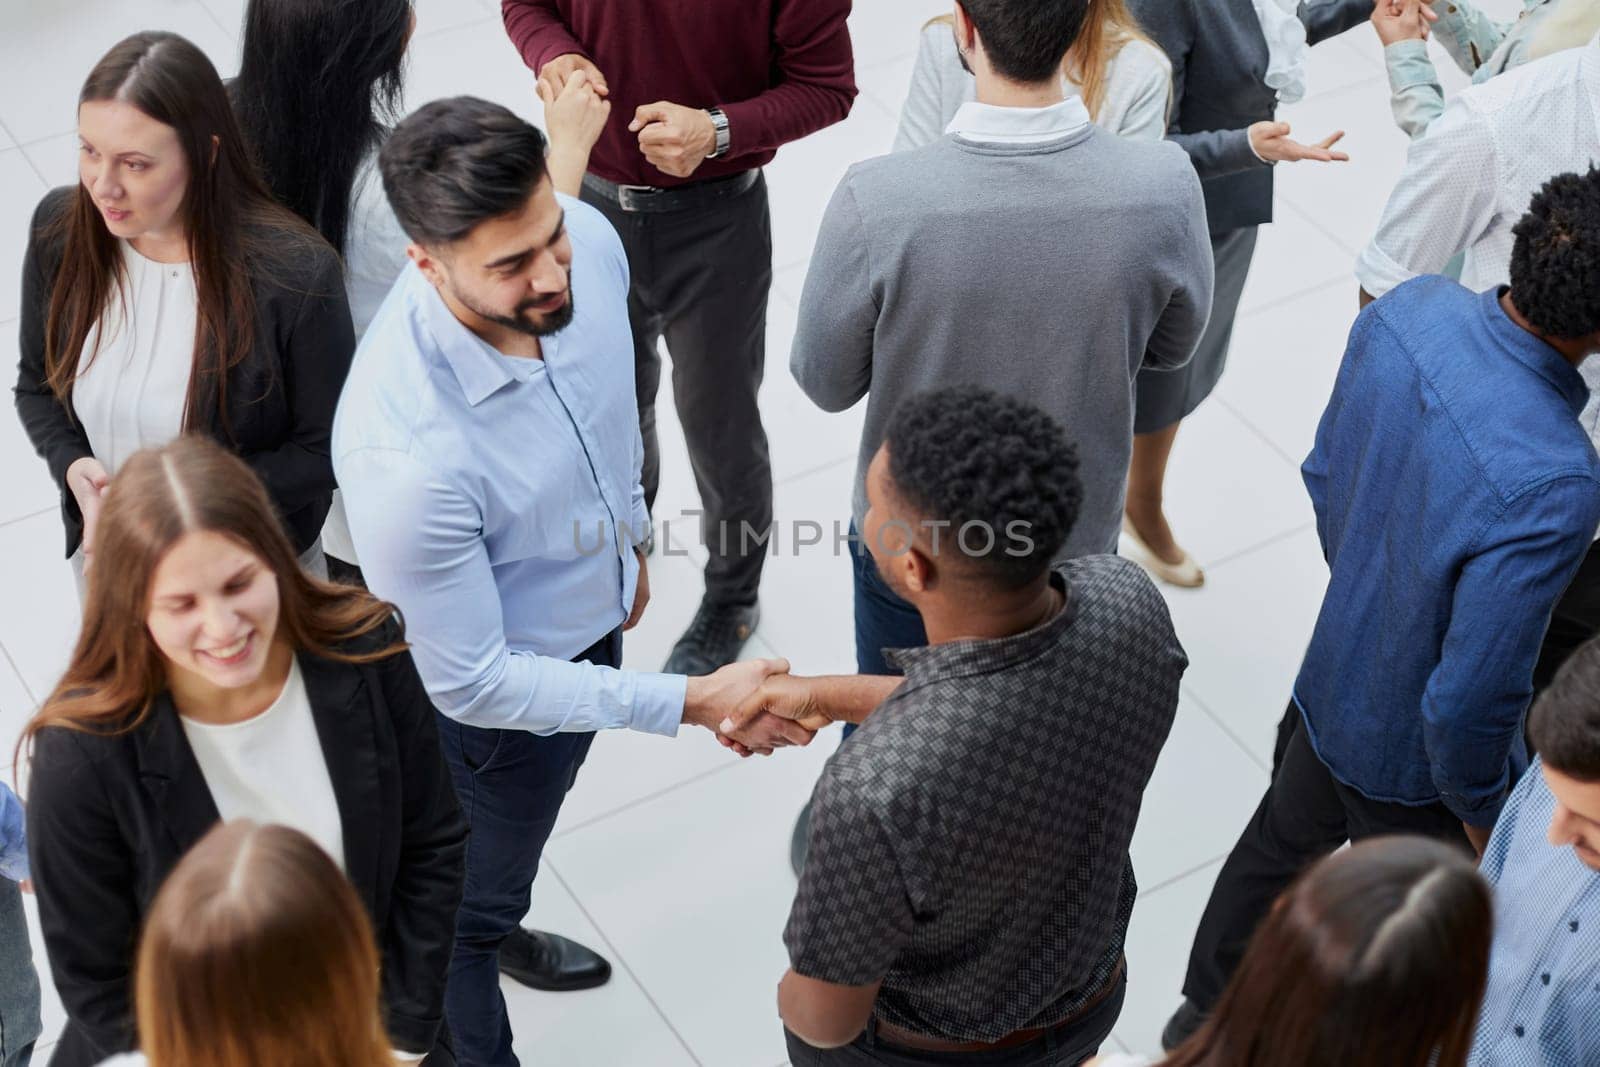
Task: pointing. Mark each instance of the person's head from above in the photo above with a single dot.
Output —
(1555, 264)
(1375, 957)
(160, 155)
(319, 81)
(257, 953)
(1020, 41)
(468, 182)
(1564, 728)
(196, 590)
(969, 499)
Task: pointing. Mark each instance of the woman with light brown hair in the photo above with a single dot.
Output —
(257, 953)
(1124, 80)
(215, 679)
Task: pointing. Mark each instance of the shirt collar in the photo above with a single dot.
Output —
(1019, 125)
(479, 369)
(957, 659)
(1533, 353)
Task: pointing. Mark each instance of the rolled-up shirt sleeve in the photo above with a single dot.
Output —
(421, 545)
(1443, 203)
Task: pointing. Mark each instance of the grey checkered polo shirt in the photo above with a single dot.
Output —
(969, 844)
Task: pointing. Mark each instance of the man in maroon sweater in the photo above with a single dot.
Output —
(703, 93)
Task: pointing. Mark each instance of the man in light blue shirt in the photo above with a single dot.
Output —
(1542, 1004)
(488, 445)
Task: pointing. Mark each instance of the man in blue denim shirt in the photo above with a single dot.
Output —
(1455, 493)
(19, 983)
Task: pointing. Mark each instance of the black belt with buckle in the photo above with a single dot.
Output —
(648, 199)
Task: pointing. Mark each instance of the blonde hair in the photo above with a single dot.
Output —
(1108, 27)
(1573, 23)
(257, 953)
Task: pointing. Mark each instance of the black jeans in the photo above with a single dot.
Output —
(1575, 620)
(701, 277)
(511, 784)
(1067, 1045)
(1306, 814)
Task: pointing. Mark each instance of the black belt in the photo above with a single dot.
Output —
(647, 199)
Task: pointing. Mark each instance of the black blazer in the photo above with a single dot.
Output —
(280, 401)
(109, 816)
(1219, 63)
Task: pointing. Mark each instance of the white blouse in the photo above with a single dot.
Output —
(133, 372)
(270, 768)
(1138, 91)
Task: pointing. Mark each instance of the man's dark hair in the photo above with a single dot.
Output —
(1026, 40)
(1564, 726)
(968, 455)
(455, 164)
(1555, 264)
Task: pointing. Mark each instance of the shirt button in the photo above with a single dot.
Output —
(1517, 1030)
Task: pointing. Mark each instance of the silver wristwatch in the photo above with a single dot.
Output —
(720, 122)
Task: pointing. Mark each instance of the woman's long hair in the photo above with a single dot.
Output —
(224, 211)
(1108, 26)
(257, 953)
(159, 496)
(1376, 957)
(319, 82)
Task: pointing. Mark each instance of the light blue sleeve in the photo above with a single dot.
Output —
(13, 837)
(1416, 97)
(1469, 35)
(420, 542)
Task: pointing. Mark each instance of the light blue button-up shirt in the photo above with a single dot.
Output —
(496, 500)
(13, 837)
(1542, 1005)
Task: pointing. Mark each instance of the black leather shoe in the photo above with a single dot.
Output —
(713, 639)
(551, 962)
(800, 841)
(1183, 1025)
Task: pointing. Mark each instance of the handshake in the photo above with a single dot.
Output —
(757, 706)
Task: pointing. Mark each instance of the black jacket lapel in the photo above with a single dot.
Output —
(342, 710)
(171, 776)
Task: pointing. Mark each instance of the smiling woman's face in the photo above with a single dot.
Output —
(213, 610)
(134, 168)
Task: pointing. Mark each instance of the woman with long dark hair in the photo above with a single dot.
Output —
(168, 292)
(257, 953)
(215, 679)
(1376, 957)
(319, 87)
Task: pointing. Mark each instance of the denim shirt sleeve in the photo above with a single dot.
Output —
(1473, 704)
(13, 837)
(1467, 34)
(1416, 97)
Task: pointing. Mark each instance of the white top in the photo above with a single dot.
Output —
(1470, 178)
(126, 1059)
(1138, 91)
(131, 393)
(1287, 50)
(1122, 1059)
(270, 768)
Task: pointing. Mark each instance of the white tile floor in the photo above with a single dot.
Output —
(670, 856)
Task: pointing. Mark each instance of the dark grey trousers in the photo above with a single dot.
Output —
(701, 277)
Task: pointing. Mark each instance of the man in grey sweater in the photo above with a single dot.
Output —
(1028, 252)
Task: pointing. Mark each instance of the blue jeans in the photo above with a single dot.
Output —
(511, 784)
(19, 983)
(883, 618)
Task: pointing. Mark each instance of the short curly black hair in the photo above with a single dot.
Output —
(1000, 471)
(1555, 264)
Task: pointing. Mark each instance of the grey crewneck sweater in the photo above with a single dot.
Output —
(1051, 272)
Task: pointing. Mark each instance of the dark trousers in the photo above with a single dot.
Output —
(700, 279)
(1575, 620)
(511, 784)
(1066, 1045)
(1306, 814)
(883, 618)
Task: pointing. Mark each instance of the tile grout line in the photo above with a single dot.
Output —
(1316, 224)
(1227, 731)
(1300, 294)
(699, 776)
(30, 515)
(1167, 883)
(1263, 544)
(5, 653)
(1294, 464)
(622, 963)
(26, 158)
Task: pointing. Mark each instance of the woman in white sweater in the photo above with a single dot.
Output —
(1124, 79)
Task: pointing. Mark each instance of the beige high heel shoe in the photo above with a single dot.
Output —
(1186, 573)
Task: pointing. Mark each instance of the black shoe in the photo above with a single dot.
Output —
(713, 639)
(1183, 1025)
(551, 962)
(800, 841)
